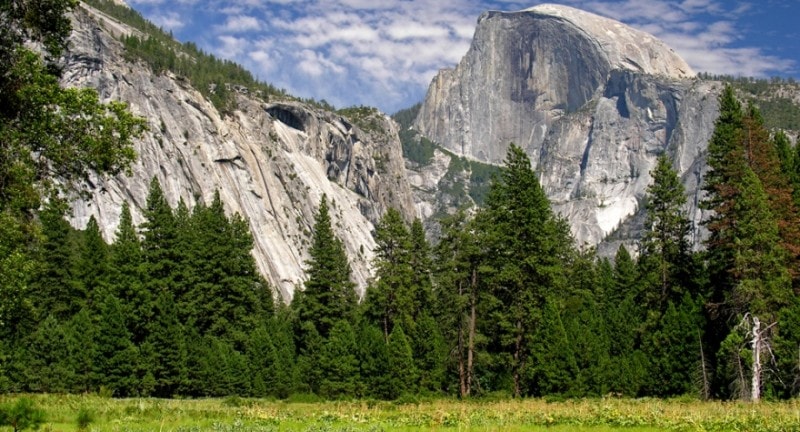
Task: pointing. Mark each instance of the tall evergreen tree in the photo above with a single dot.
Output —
(159, 248)
(665, 250)
(762, 157)
(167, 341)
(223, 294)
(56, 287)
(94, 271)
(127, 279)
(401, 372)
(530, 246)
(390, 299)
(115, 356)
(459, 257)
(373, 357)
(47, 359)
(421, 265)
(339, 363)
(329, 295)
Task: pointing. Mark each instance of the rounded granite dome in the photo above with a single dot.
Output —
(625, 47)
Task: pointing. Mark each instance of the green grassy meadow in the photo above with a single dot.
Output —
(246, 415)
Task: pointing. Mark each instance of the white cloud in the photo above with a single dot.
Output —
(385, 52)
(240, 24)
(169, 21)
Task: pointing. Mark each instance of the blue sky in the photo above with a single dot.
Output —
(384, 52)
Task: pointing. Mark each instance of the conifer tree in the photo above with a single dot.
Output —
(329, 295)
(159, 246)
(421, 265)
(339, 363)
(56, 287)
(94, 264)
(673, 350)
(530, 245)
(373, 357)
(309, 357)
(459, 257)
(127, 279)
(401, 372)
(762, 157)
(665, 251)
(625, 317)
(83, 342)
(726, 165)
(390, 299)
(283, 377)
(46, 362)
(429, 354)
(168, 344)
(763, 284)
(261, 355)
(115, 360)
(223, 293)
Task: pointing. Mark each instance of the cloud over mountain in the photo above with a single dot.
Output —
(384, 53)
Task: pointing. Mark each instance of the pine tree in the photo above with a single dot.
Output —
(309, 357)
(763, 284)
(127, 280)
(47, 359)
(762, 157)
(329, 295)
(94, 271)
(56, 287)
(726, 165)
(159, 246)
(401, 372)
(429, 354)
(624, 321)
(223, 293)
(665, 251)
(390, 299)
(115, 356)
(166, 339)
(261, 355)
(82, 338)
(373, 356)
(283, 377)
(459, 257)
(421, 265)
(673, 350)
(530, 246)
(339, 363)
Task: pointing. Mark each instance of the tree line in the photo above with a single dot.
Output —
(503, 303)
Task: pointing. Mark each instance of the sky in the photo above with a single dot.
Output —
(384, 53)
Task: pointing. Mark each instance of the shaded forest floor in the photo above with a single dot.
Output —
(240, 414)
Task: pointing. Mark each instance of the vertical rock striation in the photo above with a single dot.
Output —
(591, 100)
(270, 161)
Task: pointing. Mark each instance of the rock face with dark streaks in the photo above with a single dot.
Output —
(592, 101)
(271, 161)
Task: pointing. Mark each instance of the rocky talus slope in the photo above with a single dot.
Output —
(271, 161)
(591, 100)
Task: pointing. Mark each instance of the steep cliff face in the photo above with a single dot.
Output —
(592, 101)
(271, 161)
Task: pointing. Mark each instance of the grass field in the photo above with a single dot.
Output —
(251, 415)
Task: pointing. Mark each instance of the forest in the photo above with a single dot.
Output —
(503, 304)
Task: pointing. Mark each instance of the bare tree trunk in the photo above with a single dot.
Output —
(472, 320)
(706, 388)
(755, 390)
